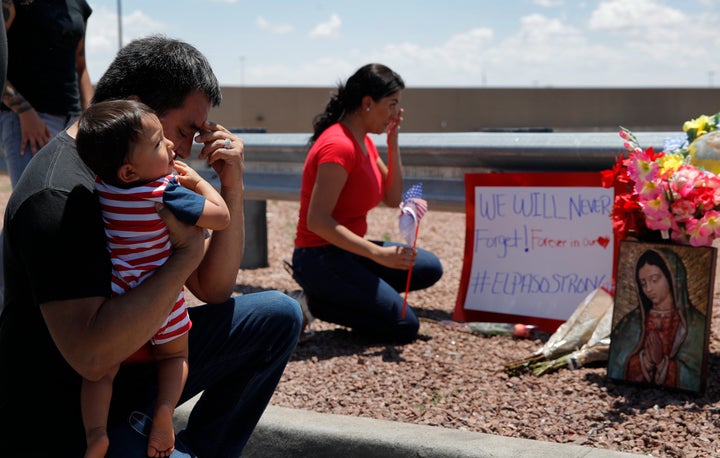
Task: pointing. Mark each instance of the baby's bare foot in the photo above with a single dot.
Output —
(161, 441)
(97, 443)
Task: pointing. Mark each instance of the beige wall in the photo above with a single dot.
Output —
(283, 109)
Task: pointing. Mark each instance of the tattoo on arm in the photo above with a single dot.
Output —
(14, 100)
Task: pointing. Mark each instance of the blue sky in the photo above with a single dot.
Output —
(441, 43)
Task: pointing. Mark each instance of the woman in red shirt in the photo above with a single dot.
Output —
(348, 279)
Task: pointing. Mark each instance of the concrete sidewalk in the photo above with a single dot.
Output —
(290, 433)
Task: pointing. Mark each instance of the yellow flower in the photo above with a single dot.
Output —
(698, 127)
(670, 162)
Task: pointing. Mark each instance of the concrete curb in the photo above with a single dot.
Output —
(283, 432)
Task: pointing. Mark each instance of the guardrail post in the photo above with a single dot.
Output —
(256, 246)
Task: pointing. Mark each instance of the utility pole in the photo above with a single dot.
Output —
(119, 8)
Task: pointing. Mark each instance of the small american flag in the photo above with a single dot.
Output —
(414, 196)
(412, 208)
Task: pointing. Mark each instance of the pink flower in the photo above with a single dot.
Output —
(684, 179)
(659, 221)
(710, 180)
(649, 190)
(710, 224)
(642, 168)
(663, 193)
(703, 198)
(696, 234)
(657, 215)
(683, 210)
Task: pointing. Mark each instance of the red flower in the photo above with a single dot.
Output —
(616, 174)
(627, 215)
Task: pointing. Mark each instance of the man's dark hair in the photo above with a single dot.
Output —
(107, 132)
(161, 72)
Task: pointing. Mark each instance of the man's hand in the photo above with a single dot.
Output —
(225, 152)
(186, 239)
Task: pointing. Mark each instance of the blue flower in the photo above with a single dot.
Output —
(675, 145)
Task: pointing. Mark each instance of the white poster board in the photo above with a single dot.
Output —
(536, 250)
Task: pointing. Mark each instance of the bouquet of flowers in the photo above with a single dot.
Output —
(674, 192)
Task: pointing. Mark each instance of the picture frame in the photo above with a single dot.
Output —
(661, 315)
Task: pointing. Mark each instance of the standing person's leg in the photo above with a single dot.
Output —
(342, 289)
(238, 352)
(11, 138)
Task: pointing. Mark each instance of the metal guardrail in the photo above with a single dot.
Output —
(273, 162)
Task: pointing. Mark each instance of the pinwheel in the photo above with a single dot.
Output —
(412, 209)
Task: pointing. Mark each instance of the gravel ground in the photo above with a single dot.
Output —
(457, 380)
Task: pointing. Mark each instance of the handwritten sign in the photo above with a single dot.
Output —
(536, 245)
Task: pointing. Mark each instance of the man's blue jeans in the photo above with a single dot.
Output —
(238, 352)
(353, 291)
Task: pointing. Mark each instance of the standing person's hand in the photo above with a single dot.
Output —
(224, 151)
(35, 132)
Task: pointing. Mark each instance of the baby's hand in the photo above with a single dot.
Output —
(187, 176)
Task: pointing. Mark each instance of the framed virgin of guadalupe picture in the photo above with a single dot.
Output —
(661, 315)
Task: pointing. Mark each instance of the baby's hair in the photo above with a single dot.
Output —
(106, 134)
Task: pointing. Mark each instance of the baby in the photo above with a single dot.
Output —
(122, 142)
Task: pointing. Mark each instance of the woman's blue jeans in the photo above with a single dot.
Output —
(353, 291)
(238, 352)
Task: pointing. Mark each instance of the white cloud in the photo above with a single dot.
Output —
(262, 24)
(635, 16)
(603, 43)
(549, 3)
(136, 24)
(659, 42)
(540, 40)
(460, 58)
(101, 38)
(327, 29)
(102, 32)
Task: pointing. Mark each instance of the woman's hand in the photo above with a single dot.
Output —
(393, 129)
(396, 257)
